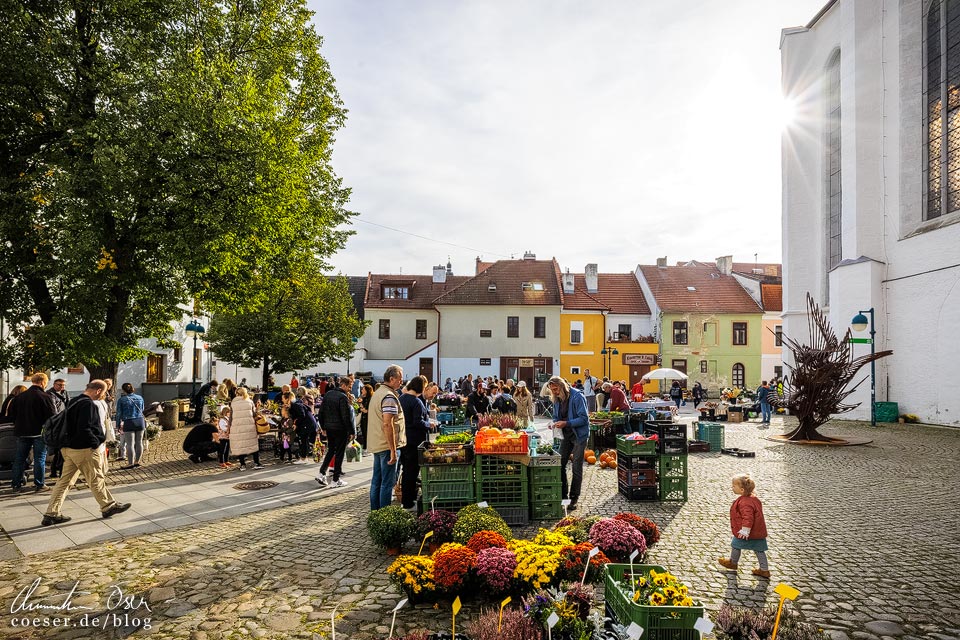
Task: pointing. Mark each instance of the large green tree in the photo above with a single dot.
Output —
(154, 154)
(300, 319)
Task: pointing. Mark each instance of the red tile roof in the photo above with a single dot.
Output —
(616, 293)
(771, 295)
(508, 277)
(423, 291)
(712, 291)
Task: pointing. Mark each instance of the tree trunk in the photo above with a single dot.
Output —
(807, 431)
(266, 374)
(104, 371)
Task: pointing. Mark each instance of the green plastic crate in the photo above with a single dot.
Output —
(546, 510)
(460, 491)
(673, 489)
(886, 411)
(673, 466)
(503, 491)
(636, 447)
(447, 473)
(442, 505)
(658, 623)
(712, 432)
(545, 492)
(494, 466)
(544, 475)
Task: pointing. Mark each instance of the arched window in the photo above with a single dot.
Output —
(942, 107)
(739, 376)
(832, 163)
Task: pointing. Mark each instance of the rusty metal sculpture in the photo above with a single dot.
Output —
(818, 384)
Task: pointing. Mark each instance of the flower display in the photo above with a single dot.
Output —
(485, 540)
(657, 589)
(440, 522)
(552, 538)
(572, 608)
(574, 559)
(536, 564)
(649, 528)
(577, 529)
(452, 564)
(472, 519)
(495, 567)
(616, 538)
(412, 574)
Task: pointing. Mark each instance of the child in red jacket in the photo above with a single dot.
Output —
(748, 527)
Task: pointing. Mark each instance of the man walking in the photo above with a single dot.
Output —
(336, 419)
(29, 411)
(386, 433)
(81, 455)
(58, 392)
(763, 395)
(589, 390)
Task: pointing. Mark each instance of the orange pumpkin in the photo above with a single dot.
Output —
(612, 464)
(603, 463)
(592, 460)
(588, 453)
(604, 456)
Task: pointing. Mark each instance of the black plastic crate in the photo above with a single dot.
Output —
(666, 430)
(673, 446)
(637, 477)
(626, 461)
(645, 494)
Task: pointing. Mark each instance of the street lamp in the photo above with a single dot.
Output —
(192, 330)
(608, 353)
(858, 324)
(351, 354)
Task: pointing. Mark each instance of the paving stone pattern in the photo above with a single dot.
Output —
(868, 534)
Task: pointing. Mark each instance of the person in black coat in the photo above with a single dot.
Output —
(477, 403)
(81, 453)
(200, 400)
(29, 411)
(417, 423)
(336, 419)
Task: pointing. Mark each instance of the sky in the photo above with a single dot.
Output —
(610, 132)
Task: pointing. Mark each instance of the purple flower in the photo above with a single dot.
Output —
(616, 538)
(495, 567)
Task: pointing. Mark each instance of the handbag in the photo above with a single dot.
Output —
(262, 425)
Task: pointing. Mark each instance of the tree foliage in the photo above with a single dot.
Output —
(300, 319)
(154, 152)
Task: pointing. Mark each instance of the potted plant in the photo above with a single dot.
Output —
(441, 523)
(741, 623)
(473, 519)
(390, 527)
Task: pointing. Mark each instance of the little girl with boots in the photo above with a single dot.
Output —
(748, 526)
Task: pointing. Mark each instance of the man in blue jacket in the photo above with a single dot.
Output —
(570, 416)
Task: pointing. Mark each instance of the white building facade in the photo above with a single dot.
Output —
(871, 190)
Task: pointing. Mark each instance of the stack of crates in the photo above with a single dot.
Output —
(449, 486)
(545, 488)
(672, 470)
(712, 432)
(637, 469)
(504, 485)
(672, 436)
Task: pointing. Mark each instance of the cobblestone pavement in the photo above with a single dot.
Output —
(868, 534)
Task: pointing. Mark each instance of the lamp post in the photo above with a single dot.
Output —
(859, 323)
(192, 330)
(351, 354)
(607, 367)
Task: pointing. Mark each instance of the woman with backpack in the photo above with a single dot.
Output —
(676, 393)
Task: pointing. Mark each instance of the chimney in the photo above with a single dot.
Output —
(662, 262)
(529, 255)
(477, 270)
(568, 282)
(590, 275)
(770, 270)
(725, 265)
(449, 268)
(439, 274)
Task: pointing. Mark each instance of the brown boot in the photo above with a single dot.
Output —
(763, 573)
(725, 562)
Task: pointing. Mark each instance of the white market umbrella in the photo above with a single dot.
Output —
(665, 374)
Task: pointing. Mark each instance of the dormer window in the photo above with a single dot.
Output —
(532, 286)
(394, 292)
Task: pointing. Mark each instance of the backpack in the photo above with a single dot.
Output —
(676, 392)
(54, 431)
(506, 404)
